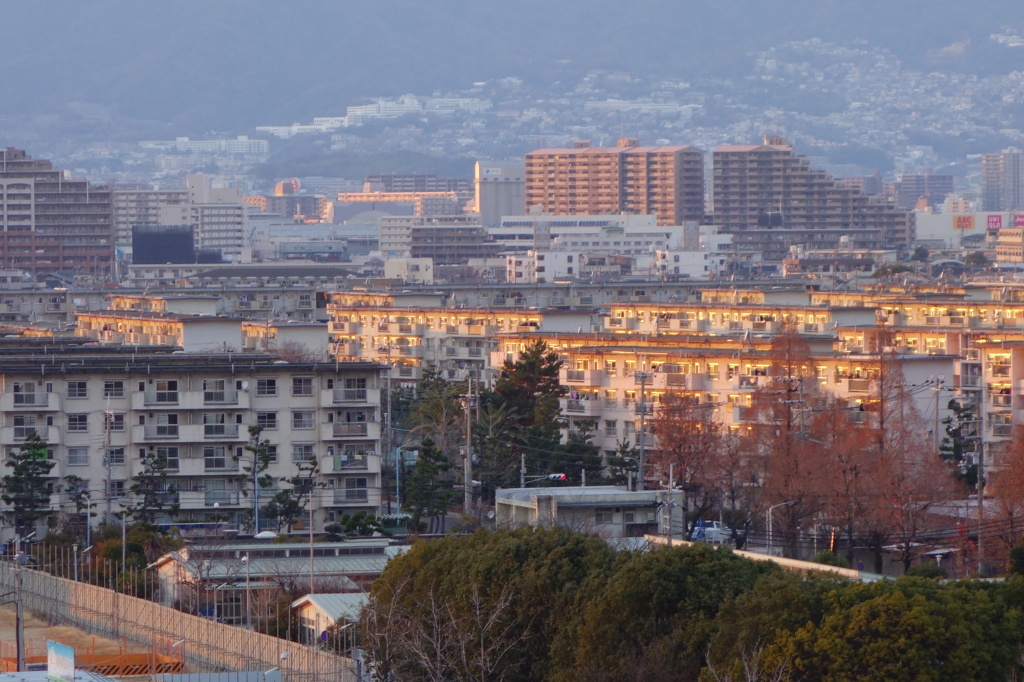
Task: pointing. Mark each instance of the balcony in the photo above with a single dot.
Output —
(973, 381)
(1000, 370)
(225, 397)
(686, 382)
(344, 429)
(352, 459)
(161, 398)
(220, 430)
(587, 377)
(1002, 400)
(621, 323)
(351, 495)
(349, 395)
(30, 401)
(221, 497)
(161, 431)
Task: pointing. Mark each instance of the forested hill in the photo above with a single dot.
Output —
(233, 63)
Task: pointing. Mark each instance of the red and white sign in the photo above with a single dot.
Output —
(995, 222)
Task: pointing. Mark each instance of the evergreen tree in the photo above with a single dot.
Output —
(254, 476)
(26, 488)
(151, 493)
(429, 489)
(530, 388)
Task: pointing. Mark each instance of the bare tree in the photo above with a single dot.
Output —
(469, 639)
(689, 441)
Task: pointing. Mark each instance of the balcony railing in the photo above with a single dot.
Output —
(350, 428)
(161, 398)
(213, 497)
(351, 460)
(29, 399)
(575, 406)
(350, 395)
(344, 495)
(220, 430)
(227, 397)
(153, 431)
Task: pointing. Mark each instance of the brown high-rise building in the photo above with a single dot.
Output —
(667, 182)
(768, 186)
(50, 224)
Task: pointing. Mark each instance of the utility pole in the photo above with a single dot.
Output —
(642, 405)
(981, 500)
(668, 503)
(467, 466)
(522, 470)
(938, 382)
(108, 416)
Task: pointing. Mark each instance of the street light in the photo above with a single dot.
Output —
(248, 609)
(787, 503)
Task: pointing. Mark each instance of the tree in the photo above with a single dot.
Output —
(429, 487)
(976, 259)
(913, 630)
(254, 474)
(529, 388)
(359, 524)
(26, 488)
(484, 607)
(151, 493)
(907, 476)
(961, 440)
(1008, 497)
(688, 441)
(784, 437)
(494, 438)
(288, 504)
(652, 620)
(77, 490)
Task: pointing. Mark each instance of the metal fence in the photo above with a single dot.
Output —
(102, 611)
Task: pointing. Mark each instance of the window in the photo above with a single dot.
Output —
(359, 382)
(166, 425)
(215, 457)
(266, 387)
(603, 517)
(266, 420)
(302, 386)
(355, 490)
(115, 456)
(610, 428)
(302, 420)
(166, 391)
(302, 452)
(113, 421)
(78, 457)
(78, 422)
(271, 453)
(78, 389)
(169, 454)
(214, 390)
(24, 424)
(113, 388)
(116, 489)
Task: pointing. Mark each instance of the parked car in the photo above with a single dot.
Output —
(711, 531)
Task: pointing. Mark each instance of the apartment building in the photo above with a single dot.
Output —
(667, 182)
(447, 240)
(769, 187)
(1002, 180)
(411, 335)
(49, 223)
(102, 411)
(138, 207)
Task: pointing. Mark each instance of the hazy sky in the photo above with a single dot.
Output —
(232, 63)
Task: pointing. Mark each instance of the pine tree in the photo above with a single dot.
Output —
(26, 488)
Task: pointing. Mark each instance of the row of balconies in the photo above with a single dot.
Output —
(189, 433)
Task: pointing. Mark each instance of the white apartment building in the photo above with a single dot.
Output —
(218, 217)
(102, 412)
